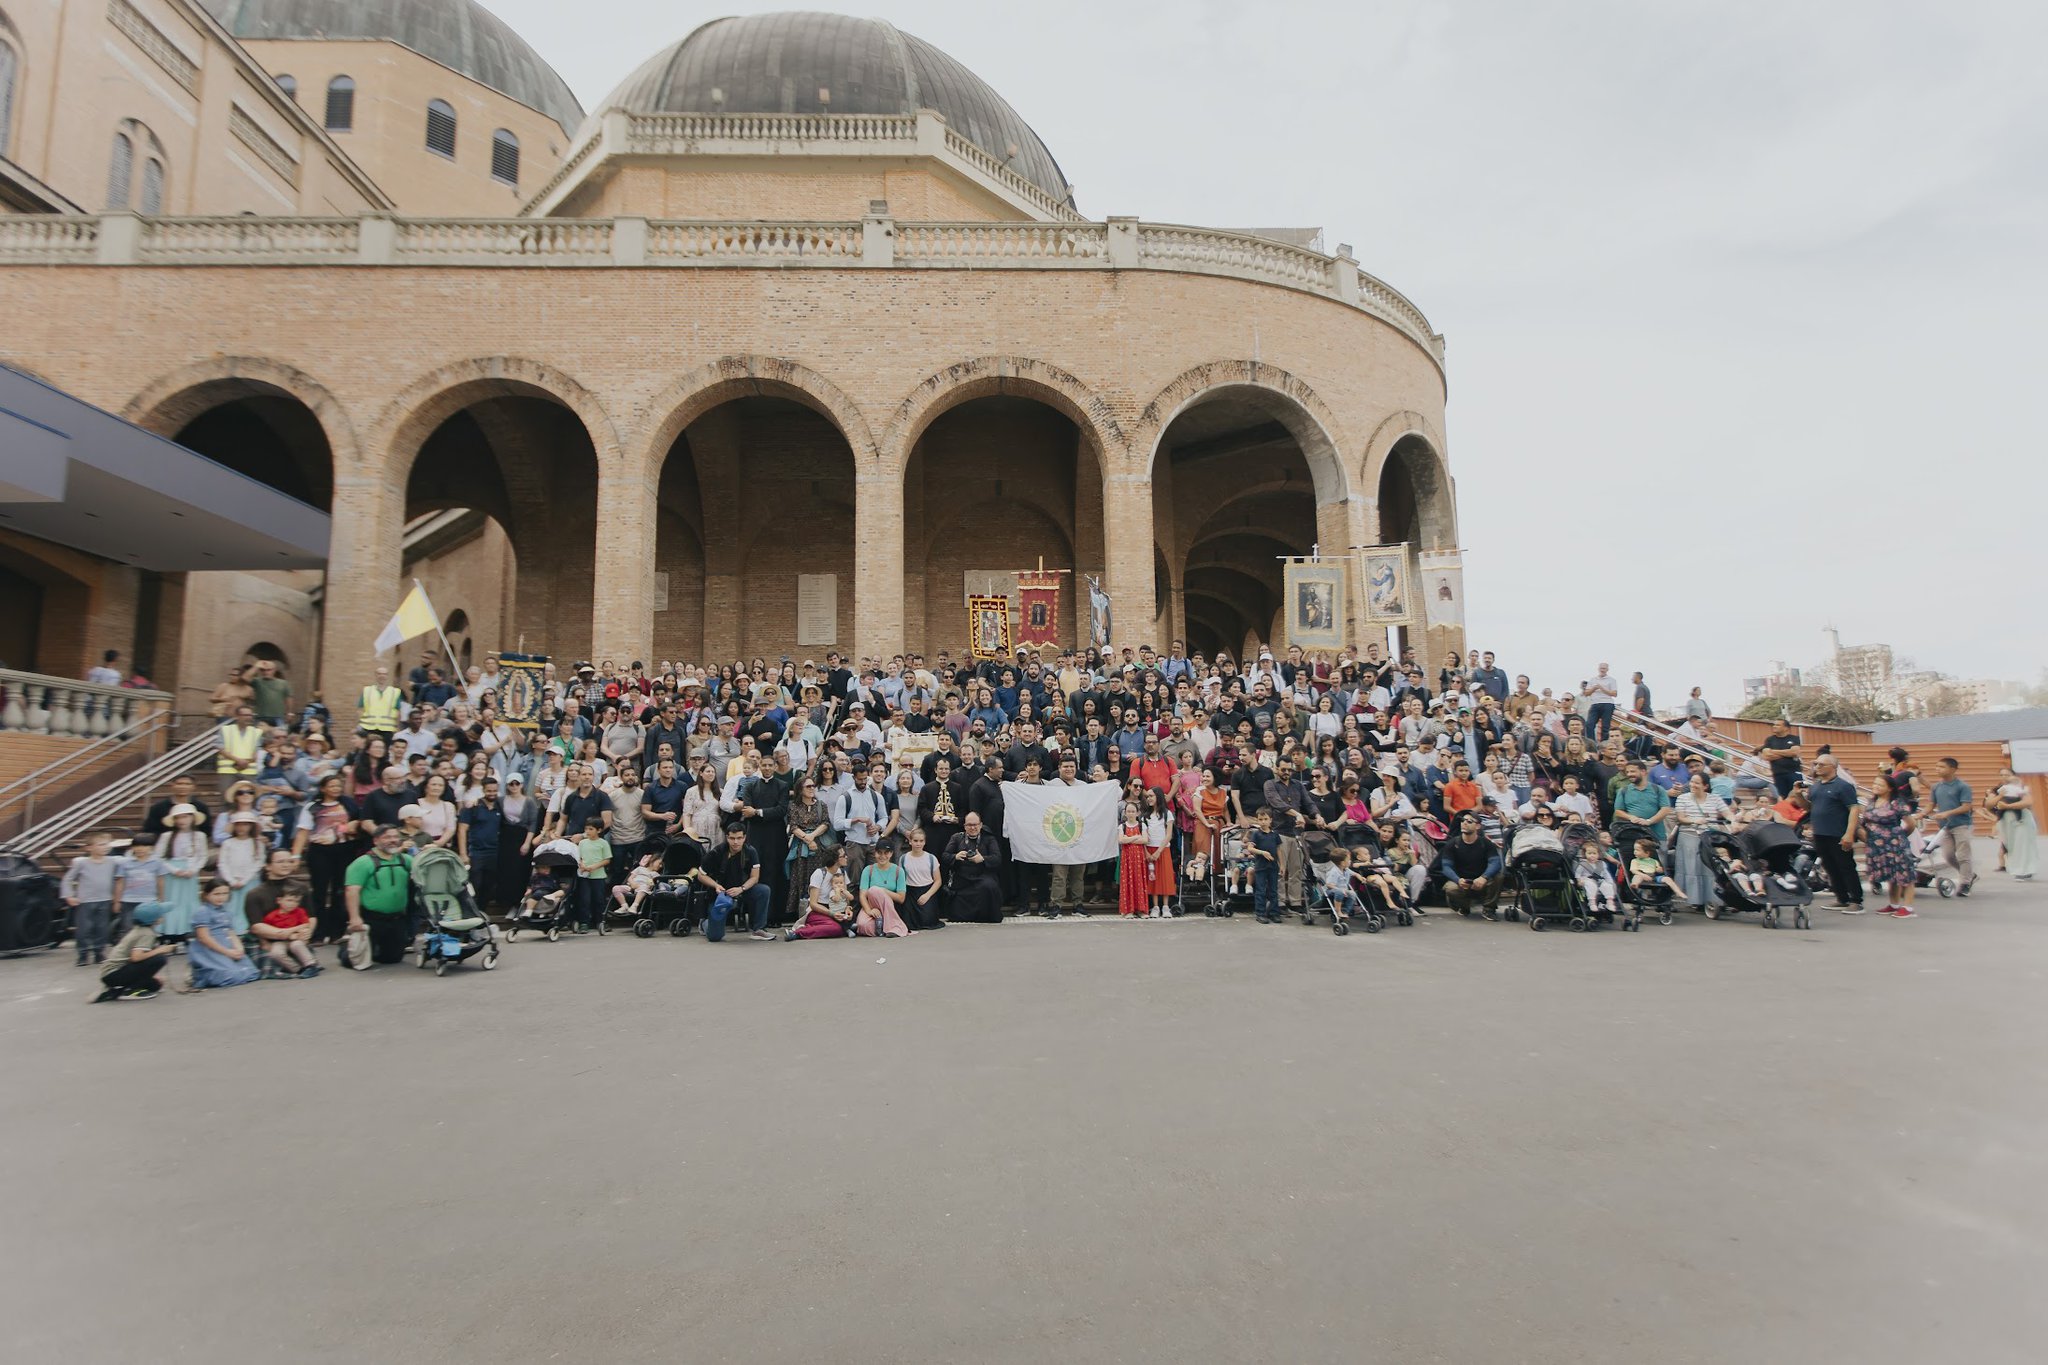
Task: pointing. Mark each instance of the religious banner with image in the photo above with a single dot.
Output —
(1098, 613)
(1386, 585)
(1315, 603)
(1443, 588)
(520, 689)
(1038, 606)
(988, 627)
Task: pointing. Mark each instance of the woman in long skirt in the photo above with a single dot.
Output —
(182, 851)
(1134, 882)
(810, 830)
(2013, 804)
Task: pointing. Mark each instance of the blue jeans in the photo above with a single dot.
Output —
(754, 901)
(1600, 719)
(1266, 889)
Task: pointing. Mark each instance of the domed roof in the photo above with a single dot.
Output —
(778, 64)
(459, 34)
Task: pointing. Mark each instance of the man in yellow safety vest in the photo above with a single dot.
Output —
(379, 706)
(241, 748)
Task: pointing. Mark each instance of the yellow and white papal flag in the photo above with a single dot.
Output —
(415, 616)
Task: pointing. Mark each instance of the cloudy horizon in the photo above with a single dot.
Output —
(1737, 297)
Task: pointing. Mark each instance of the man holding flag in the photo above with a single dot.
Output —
(1063, 823)
(379, 702)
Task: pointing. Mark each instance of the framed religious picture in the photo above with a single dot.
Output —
(1443, 588)
(988, 627)
(1386, 585)
(1315, 604)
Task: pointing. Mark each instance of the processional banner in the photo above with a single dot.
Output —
(1038, 607)
(988, 627)
(1315, 604)
(1386, 585)
(1443, 588)
(521, 689)
(1050, 823)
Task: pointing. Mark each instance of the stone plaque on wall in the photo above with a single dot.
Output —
(991, 583)
(817, 609)
(660, 591)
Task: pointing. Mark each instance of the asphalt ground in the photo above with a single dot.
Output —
(1198, 1140)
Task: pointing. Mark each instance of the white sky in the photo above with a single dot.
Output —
(1744, 300)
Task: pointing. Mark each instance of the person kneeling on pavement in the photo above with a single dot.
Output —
(1471, 867)
(133, 963)
(378, 892)
(733, 873)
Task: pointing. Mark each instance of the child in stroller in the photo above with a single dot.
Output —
(1646, 872)
(544, 907)
(1761, 867)
(1335, 894)
(456, 929)
(629, 895)
(1596, 879)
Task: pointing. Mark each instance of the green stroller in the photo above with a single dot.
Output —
(456, 929)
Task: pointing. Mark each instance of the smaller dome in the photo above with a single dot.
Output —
(459, 34)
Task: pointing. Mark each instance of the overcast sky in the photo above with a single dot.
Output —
(1744, 301)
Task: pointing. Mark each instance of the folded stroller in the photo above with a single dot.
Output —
(456, 929)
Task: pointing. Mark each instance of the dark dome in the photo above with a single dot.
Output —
(777, 64)
(459, 34)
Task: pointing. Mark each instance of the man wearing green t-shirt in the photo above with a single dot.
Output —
(378, 888)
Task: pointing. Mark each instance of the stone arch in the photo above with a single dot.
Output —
(409, 419)
(1308, 419)
(670, 413)
(1013, 376)
(1406, 444)
(175, 400)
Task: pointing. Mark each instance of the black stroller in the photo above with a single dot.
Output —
(676, 899)
(548, 903)
(1637, 901)
(1546, 891)
(32, 914)
(1773, 853)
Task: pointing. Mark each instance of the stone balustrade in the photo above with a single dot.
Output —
(124, 239)
(663, 134)
(32, 703)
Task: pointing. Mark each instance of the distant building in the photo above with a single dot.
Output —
(1873, 673)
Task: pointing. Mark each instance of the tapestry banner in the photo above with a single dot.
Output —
(1386, 585)
(1038, 607)
(1315, 604)
(520, 691)
(988, 627)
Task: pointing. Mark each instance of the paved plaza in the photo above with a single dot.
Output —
(1057, 1142)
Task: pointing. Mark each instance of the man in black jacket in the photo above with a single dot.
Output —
(1471, 867)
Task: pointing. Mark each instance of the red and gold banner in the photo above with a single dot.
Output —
(988, 627)
(1038, 607)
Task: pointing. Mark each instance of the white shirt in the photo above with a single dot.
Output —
(1605, 685)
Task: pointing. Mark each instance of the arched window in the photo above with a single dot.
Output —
(9, 65)
(341, 104)
(441, 127)
(290, 85)
(504, 157)
(152, 187)
(120, 171)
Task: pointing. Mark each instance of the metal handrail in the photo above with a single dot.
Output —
(149, 724)
(39, 840)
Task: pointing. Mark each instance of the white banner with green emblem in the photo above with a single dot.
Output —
(1049, 823)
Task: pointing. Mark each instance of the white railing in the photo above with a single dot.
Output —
(993, 166)
(996, 244)
(653, 134)
(752, 243)
(42, 837)
(48, 238)
(548, 241)
(185, 240)
(565, 242)
(37, 704)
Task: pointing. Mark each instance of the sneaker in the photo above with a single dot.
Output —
(110, 993)
(142, 993)
(763, 936)
(1853, 909)
(309, 972)
(1905, 912)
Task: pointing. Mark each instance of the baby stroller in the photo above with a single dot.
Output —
(1775, 852)
(1932, 867)
(546, 906)
(1232, 866)
(673, 903)
(32, 914)
(1545, 890)
(456, 930)
(1342, 908)
(1638, 901)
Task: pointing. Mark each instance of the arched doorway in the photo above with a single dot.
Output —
(1416, 510)
(754, 532)
(996, 484)
(259, 430)
(1234, 467)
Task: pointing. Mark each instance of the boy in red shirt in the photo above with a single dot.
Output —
(1461, 793)
(287, 934)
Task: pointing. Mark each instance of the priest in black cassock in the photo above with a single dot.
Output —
(973, 862)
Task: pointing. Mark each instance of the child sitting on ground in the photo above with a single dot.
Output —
(639, 883)
(1596, 879)
(1646, 870)
(286, 934)
(215, 950)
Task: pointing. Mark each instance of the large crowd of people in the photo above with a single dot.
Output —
(841, 798)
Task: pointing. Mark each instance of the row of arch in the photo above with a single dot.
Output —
(401, 428)
(987, 464)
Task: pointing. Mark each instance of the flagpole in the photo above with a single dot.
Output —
(455, 669)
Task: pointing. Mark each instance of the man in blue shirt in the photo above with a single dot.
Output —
(1671, 775)
(1489, 677)
(1952, 799)
(1641, 802)
(1836, 812)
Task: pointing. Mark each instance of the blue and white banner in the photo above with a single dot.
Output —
(1050, 823)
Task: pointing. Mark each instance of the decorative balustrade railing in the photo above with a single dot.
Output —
(123, 239)
(32, 703)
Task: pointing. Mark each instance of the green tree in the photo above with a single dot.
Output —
(1816, 706)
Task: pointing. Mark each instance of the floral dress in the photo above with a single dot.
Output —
(1888, 848)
